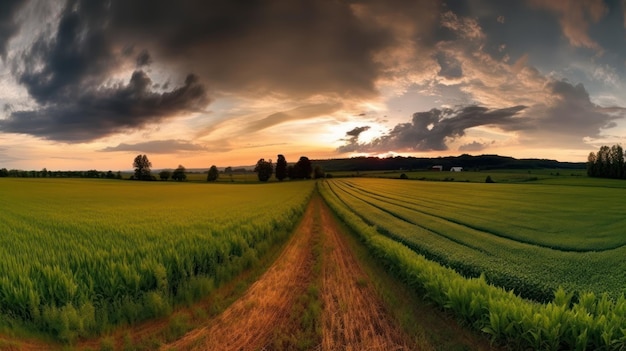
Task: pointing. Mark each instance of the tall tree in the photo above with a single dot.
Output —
(213, 174)
(142, 167)
(281, 168)
(616, 155)
(604, 161)
(179, 173)
(608, 162)
(264, 169)
(592, 165)
(291, 172)
(303, 168)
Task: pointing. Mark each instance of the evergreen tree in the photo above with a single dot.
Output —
(281, 168)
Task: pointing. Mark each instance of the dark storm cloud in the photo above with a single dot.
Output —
(98, 113)
(69, 76)
(286, 48)
(157, 147)
(144, 59)
(8, 24)
(430, 130)
(299, 48)
(572, 116)
(450, 66)
(78, 57)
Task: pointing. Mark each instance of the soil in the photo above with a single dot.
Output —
(354, 318)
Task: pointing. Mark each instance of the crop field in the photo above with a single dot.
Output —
(562, 236)
(510, 176)
(77, 256)
(560, 247)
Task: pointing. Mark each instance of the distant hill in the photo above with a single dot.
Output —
(468, 162)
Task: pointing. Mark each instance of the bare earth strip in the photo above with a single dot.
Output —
(248, 324)
(354, 317)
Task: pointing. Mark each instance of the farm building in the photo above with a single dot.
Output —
(456, 169)
(437, 168)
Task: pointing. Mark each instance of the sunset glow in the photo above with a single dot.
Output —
(91, 84)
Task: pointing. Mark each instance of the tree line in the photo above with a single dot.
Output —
(44, 173)
(303, 169)
(608, 162)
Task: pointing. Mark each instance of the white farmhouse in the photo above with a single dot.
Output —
(456, 169)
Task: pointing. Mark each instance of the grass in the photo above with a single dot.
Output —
(81, 255)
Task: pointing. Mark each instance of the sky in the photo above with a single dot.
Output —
(91, 84)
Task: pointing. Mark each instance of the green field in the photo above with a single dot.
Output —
(572, 177)
(474, 249)
(570, 236)
(77, 256)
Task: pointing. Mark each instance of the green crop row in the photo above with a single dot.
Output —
(78, 256)
(472, 247)
(591, 322)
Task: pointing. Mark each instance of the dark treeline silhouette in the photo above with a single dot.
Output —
(303, 169)
(608, 162)
(468, 162)
(44, 173)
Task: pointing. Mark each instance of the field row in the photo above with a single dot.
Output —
(77, 256)
(494, 229)
(566, 322)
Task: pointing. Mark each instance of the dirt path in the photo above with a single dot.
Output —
(249, 322)
(354, 317)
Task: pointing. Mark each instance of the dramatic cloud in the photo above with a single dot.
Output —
(570, 117)
(430, 130)
(8, 24)
(352, 139)
(575, 17)
(298, 48)
(157, 147)
(94, 114)
(567, 120)
(204, 77)
(69, 77)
